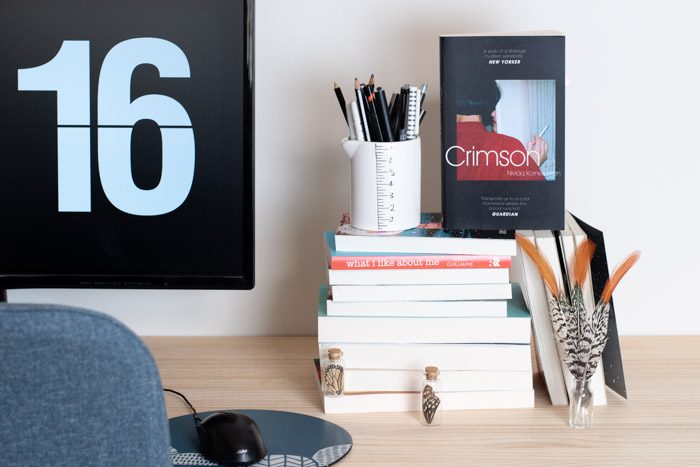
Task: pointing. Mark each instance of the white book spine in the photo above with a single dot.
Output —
(436, 292)
(447, 357)
(418, 245)
(410, 402)
(418, 276)
(452, 381)
(424, 330)
(435, 309)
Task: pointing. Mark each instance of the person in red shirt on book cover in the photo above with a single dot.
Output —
(480, 152)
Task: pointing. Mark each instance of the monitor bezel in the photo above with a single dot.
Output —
(243, 281)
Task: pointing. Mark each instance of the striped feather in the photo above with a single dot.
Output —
(582, 261)
(583, 334)
(599, 322)
(620, 271)
(541, 263)
(559, 315)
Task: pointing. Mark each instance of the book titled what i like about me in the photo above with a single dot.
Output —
(503, 131)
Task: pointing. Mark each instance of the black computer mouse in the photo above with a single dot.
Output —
(230, 439)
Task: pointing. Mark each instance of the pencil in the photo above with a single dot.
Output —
(403, 118)
(341, 101)
(357, 121)
(371, 83)
(423, 90)
(396, 113)
(391, 103)
(372, 117)
(361, 108)
(383, 115)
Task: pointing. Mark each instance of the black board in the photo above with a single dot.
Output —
(612, 356)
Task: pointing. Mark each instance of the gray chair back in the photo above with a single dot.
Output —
(77, 388)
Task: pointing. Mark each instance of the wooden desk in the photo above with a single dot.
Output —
(658, 425)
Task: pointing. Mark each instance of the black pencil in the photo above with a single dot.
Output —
(341, 101)
(403, 118)
(395, 115)
(372, 118)
(383, 114)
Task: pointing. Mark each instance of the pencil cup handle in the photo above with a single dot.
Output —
(350, 147)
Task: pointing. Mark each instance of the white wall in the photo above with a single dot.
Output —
(632, 160)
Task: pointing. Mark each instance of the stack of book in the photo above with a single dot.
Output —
(397, 303)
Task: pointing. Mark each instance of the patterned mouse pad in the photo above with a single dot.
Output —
(291, 439)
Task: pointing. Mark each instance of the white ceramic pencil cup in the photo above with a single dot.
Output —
(385, 184)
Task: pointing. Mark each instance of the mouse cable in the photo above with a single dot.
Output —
(194, 411)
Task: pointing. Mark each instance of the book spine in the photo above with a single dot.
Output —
(453, 381)
(347, 263)
(354, 330)
(433, 292)
(406, 401)
(444, 198)
(447, 357)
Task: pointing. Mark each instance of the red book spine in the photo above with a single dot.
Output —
(420, 262)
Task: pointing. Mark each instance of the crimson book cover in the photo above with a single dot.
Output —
(502, 116)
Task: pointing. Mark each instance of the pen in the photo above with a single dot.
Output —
(413, 113)
(544, 130)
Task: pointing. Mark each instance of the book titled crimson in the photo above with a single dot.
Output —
(502, 110)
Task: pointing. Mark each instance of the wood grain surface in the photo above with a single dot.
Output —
(658, 425)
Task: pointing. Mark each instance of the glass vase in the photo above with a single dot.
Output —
(581, 405)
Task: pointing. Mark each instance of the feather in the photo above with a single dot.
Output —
(599, 322)
(582, 261)
(559, 313)
(620, 271)
(541, 263)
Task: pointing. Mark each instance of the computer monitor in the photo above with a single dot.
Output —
(126, 144)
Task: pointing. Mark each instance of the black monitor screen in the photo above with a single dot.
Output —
(126, 150)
